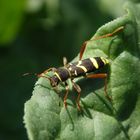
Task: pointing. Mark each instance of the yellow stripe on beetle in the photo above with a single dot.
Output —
(58, 76)
(94, 62)
(104, 60)
(82, 67)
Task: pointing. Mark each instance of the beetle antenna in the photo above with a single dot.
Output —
(28, 73)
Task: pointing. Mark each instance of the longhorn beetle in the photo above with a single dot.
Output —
(80, 68)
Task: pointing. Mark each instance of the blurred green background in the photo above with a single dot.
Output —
(35, 35)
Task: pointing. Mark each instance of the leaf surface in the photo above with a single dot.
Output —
(47, 118)
(11, 13)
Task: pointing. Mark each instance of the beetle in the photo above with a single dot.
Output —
(84, 67)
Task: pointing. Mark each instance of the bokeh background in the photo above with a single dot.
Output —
(35, 35)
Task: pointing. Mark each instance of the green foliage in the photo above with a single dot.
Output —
(107, 6)
(47, 118)
(11, 13)
(35, 44)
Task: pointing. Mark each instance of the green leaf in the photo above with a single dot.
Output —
(47, 118)
(11, 13)
(106, 6)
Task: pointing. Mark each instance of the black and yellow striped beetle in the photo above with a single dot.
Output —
(83, 67)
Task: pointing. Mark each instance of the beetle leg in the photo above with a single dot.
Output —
(83, 47)
(65, 61)
(103, 76)
(78, 89)
(66, 94)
